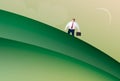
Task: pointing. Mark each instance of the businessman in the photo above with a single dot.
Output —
(71, 26)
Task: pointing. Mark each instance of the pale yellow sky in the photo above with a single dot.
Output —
(98, 19)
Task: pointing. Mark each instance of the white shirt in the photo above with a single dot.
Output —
(75, 25)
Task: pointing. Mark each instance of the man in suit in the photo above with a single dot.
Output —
(71, 26)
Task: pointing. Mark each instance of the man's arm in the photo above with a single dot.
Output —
(78, 27)
(66, 26)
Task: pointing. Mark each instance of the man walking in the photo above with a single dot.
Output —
(71, 26)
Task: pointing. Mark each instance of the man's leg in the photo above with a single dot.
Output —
(69, 31)
(73, 31)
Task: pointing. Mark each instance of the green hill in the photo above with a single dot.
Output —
(33, 49)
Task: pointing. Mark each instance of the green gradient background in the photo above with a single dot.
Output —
(95, 26)
(28, 53)
(23, 62)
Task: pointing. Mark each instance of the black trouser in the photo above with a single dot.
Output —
(71, 31)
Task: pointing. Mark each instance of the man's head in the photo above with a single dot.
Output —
(73, 19)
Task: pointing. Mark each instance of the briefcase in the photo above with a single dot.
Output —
(78, 33)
